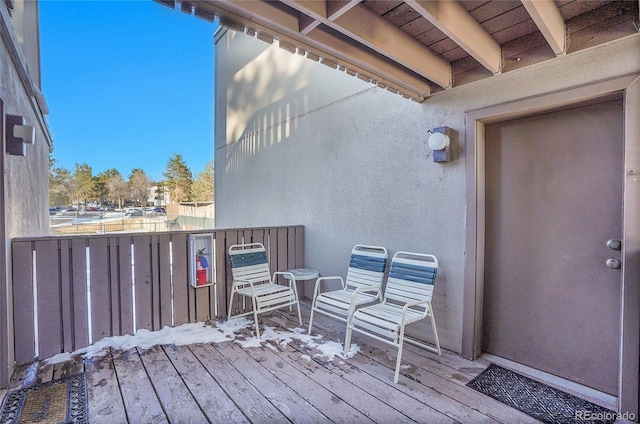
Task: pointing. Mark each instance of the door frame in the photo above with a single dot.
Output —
(475, 121)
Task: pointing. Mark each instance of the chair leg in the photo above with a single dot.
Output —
(311, 319)
(435, 329)
(299, 314)
(230, 304)
(255, 318)
(399, 359)
(347, 341)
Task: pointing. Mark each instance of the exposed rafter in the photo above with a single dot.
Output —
(264, 17)
(419, 47)
(547, 17)
(453, 20)
(367, 28)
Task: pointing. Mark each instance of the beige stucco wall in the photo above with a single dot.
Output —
(300, 143)
(25, 179)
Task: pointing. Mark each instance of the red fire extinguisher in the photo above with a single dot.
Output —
(201, 268)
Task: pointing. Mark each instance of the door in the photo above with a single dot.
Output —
(553, 200)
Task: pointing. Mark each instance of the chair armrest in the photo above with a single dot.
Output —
(363, 289)
(367, 289)
(289, 276)
(410, 304)
(316, 289)
(235, 284)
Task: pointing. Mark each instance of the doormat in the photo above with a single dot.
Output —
(57, 401)
(536, 399)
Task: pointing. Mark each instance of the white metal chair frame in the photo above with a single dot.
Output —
(407, 299)
(366, 271)
(252, 278)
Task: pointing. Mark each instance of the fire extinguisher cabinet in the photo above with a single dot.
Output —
(201, 260)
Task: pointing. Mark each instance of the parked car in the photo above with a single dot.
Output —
(133, 212)
(159, 210)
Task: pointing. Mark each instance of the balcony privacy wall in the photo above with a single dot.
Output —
(72, 291)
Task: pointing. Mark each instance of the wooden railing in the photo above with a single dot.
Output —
(69, 292)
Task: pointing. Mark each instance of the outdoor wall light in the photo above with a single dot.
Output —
(18, 135)
(439, 142)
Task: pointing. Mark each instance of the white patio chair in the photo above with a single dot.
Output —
(366, 270)
(407, 299)
(251, 278)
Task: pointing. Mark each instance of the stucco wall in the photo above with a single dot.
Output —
(25, 180)
(300, 143)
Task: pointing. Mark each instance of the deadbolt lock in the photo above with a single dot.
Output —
(614, 244)
(613, 263)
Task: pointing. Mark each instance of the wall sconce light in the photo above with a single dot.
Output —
(18, 135)
(439, 142)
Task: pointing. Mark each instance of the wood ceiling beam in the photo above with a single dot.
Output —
(453, 20)
(285, 27)
(330, 10)
(547, 17)
(369, 29)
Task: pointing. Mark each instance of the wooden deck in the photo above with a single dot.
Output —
(226, 383)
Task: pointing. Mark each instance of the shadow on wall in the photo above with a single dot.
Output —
(264, 103)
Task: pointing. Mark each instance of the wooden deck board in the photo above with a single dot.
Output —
(176, 398)
(278, 383)
(103, 391)
(378, 380)
(310, 388)
(290, 403)
(253, 405)
(215, 403)
(378, 359)
(140, 400)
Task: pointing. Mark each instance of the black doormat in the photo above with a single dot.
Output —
(538, 400)
(58, 401)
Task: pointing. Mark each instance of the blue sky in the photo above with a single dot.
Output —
(127, 84)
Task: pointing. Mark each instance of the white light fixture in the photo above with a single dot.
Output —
(18, 135)
(439, 142)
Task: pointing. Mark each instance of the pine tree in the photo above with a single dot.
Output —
(178, 179)
(85, 187)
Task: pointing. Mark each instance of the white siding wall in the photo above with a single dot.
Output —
(300, 143)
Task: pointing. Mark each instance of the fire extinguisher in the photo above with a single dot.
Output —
(201, 268)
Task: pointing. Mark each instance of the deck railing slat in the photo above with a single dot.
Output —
(49, 327)
(100, 289)
(158, 268)
(66, 289)
(164, 279)
(142, 281)
(124, 278)
(23, 302)
(79, 293)
(180, 278)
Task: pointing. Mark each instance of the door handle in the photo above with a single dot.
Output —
(613, 263)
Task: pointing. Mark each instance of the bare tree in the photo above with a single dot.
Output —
(204, 185)
(139, 185)
(118, 190)
(61, 187)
